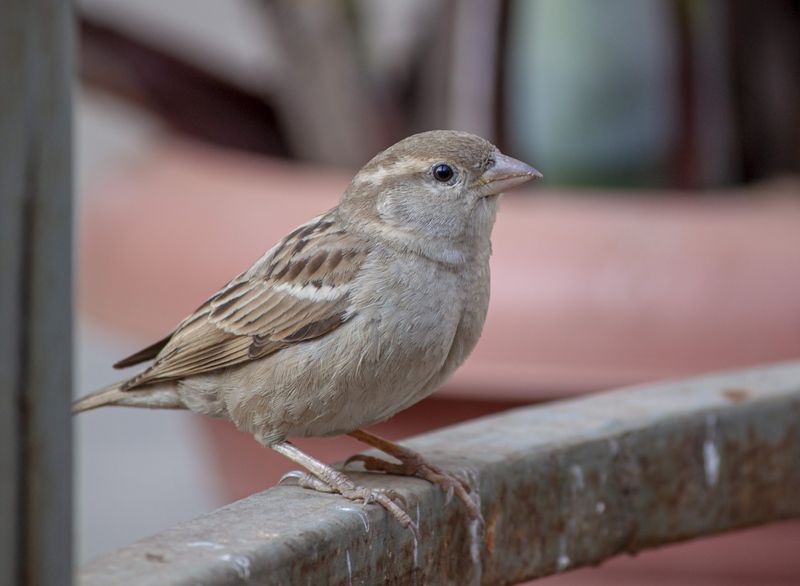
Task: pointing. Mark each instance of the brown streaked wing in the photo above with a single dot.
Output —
(299, 291)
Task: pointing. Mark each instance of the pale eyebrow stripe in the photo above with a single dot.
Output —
(410, 165)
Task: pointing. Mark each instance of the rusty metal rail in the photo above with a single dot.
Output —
(561, 486)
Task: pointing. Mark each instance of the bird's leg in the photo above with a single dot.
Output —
(327, 479)
(413, 464)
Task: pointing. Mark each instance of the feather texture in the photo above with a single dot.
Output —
(299, 290)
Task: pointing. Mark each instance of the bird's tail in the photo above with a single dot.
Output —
(163, 396)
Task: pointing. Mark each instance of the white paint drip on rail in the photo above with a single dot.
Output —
(711, 458)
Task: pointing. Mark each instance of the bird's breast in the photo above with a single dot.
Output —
(423, 326)
(412, 324)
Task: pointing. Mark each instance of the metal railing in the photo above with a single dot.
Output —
(561, 486)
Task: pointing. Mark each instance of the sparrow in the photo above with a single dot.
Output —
(354, 316)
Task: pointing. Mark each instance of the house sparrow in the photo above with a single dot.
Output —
(354, 316)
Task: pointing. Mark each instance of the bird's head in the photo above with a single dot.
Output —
(437, 188)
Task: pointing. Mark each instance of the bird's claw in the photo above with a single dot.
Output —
(448, 495)
(307, 480)
(386, 497)
(413, 464)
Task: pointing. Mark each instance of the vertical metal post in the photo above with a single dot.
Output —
(36, 61)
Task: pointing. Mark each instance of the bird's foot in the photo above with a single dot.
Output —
(340, 484)
(414, 464)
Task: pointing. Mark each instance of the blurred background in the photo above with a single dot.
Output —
(664, 240)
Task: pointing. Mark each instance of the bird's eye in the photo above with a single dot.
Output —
(442, 172)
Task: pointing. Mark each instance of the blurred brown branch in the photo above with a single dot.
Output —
(185, 97)
(325, 103)
(322, 91)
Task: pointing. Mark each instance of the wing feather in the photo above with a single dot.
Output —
(297, 292)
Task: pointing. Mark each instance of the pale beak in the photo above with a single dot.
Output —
(505, 174)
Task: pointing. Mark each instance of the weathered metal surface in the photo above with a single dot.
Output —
(35, 291)
(561, 486)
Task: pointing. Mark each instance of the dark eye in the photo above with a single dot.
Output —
(442, 172)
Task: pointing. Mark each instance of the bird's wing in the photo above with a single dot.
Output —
(298, 291)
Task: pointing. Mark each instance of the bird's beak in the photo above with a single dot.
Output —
(505, 174)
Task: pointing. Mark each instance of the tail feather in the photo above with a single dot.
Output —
(153, 397)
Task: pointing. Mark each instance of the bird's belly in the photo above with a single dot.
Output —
(386, 377)
(381, 361)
